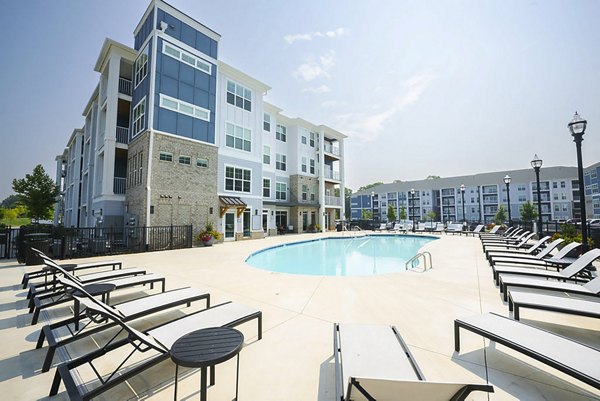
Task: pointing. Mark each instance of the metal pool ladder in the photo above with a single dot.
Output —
(424, 255)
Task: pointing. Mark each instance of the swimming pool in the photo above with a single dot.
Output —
(357, 256)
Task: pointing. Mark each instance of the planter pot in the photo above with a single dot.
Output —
(209, 242)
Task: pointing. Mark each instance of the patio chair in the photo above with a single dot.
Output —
(493, 231)
(566, 355)
(519, 242)
(513, 235)
(588, 306)
(382, 227)
(522, 247)
(539, 260)
(56, 336)
(568, 272)
(157, 340)
(591, 288)
(454, 228)
(501, 256)
(372, 362)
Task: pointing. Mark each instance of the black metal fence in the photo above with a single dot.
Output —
(63, 243)
(552, 227)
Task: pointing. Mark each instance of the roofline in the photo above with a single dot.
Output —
(91, 100)
(107, 47)
(235, 73)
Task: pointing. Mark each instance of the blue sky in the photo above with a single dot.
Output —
(420, 87)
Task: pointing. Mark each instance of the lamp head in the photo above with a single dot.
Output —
(536, 163)
(462, 188)
(507, 179)
(577, 125)
(412, 191)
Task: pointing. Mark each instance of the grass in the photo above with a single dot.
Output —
(16, 222)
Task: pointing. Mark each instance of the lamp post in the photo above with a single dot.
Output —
(412, 201)
(373, 210)
(507, 182)
(577, 128)
(462, 194)
(536, 163)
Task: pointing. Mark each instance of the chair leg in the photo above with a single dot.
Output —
(55, 384)
(48, 359)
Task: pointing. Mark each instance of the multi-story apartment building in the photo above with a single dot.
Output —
(484, 193)
(591, 179)
(173, 135)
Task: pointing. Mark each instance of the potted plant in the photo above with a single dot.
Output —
(208, 236)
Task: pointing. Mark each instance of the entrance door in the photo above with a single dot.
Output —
(327, 221)
(246, 223)
(265, 221)
(229, 226)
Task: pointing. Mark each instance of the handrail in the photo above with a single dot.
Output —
(417, 256)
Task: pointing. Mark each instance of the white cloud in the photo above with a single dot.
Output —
(314, 69)
(367, 127)
(317, 89)
(291, 38)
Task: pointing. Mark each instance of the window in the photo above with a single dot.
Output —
(303, 139)
(185, 160)
(239, 96)
(238, 137)
(186, 58)
(266, 187)
(237, 179)
(522, 198)
(593, 174)
(281, 132)
(555, 196)
(267, 122)
(564, 196)
(562, 184)
(303, 167)
(312, 166)
(312, 195)
(281, 191)
(557, 208)
(266, 154)
(521, 187)
(565, 208)
(179, 106)
(139, 113)
(140, 67)
(312, 139)
(555, 184)
(280, 161)
(165, 156)
(200, 162)
(304, 192)
(140, 168)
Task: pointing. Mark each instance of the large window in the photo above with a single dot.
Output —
(281, 132)
(266, 154)
(281, 191)
(141, 66)
(280, 162)
(237, 179)
(303, 165)
(312, 139)
(179, 106)
(239, 96)
(238, 137)
(186, 58)
(266, 187)
(312, 166)
(304, 192)
(139, 113)
(267, 122)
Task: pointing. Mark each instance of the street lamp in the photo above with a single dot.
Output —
(577, 128)
(507, 182)
(412, 201)
(373, 209)
(462, 193)
(536, 163)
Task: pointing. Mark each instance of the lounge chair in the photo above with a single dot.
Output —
(127, 311)
(566, 355)
(61, 295)
(493, 231)
(528, 255)
(372, 362)
(534, 299)
(454, 228)
(382, 227)
(514, 235)
(590, 288)
(568, 272)
(519, 242)
(398, 227)
(523, 247)
(157, 340)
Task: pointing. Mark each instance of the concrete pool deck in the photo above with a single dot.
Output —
(294, 360)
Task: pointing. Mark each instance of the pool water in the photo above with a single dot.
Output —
(357, 256)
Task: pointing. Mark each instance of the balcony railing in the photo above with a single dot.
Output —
(119, 185)
(125, 86)
(333, 200)
(329, 148)
(334, 175)
(122, 135)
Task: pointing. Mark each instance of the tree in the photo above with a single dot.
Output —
(347, 203)
(528, 212)
(366, 214)
(391, 213)
(10, 202)
(500, 215)
(403, 213)
(37, 192)
(432, 177)
(431, 215)
(370, 186)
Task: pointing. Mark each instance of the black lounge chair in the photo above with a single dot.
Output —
(372, 362)
(534, 299)
(128, 311)
(521, 242)
(568, 356)
(157, 341)
(525, 256)
(519, 249)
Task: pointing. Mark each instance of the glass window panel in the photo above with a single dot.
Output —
(247, 94)
(239, 91)
(247, 105)
(229, 141)
(186, 109)
(172, 51)
(247, 146)
(246, 186)
(238, 143)
(230, 98)
(229, 185)
(229, 128)
(230, 87)
(238, 185)
(229, 172)
(188, 59)
(239, 102)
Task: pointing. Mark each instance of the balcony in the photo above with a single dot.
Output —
(125, 86)
(119, 185)
(333, 200)
(122, 135)
(332, 175)
(329, 148)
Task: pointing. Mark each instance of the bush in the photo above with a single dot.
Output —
(207, 233)
(569, 234)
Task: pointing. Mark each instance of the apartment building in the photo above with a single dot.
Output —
(591, 179)
(484, 193)
(173, 135)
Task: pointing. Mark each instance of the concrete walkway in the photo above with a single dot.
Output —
(294, 361)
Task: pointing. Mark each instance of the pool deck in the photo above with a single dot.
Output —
(294, 360)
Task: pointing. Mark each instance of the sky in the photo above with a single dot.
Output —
(420, 87)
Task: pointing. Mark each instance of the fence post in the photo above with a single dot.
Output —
(171, 237)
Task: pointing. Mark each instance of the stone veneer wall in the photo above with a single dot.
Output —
(296, 182)
(135, 196)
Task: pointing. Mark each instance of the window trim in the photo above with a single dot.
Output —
(235, 95)
(225, 179)
(197, 59)
(140, 118)
(281, 136)
(243, 139)
(269, 188)
(144, 66)
(283, 162)
(198, 162)
(163, 99)
(267, 154)
(266, 120)
(284, 192)
(161, 153)
(184, 157)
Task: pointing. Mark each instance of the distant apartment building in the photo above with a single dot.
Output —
(484, 193)
(172, 135)
(592, 192)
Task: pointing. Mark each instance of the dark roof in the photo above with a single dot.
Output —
(232, 201)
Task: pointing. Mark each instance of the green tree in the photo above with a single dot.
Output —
(403, 213)
(500, 215)
(391, 213)
(432, 177)
(37, 192)
(9, 202)
(370, 186)
(431, 215)
(366, 214)
(528, 212)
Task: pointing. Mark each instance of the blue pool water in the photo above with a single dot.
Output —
(359, 256)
